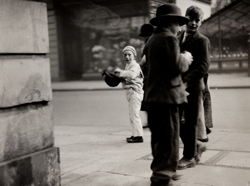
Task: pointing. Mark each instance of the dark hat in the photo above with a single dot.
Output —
(168, 12)
(146, 30)
(111, 79)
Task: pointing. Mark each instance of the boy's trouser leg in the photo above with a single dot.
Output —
(201, 125)
(188, 130)
(134, 100)
(163, 120)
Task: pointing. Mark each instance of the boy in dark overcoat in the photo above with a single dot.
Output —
(199, 46)
(165, 91)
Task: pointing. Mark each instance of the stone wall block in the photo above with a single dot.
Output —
(24, 27)
(25, 129)
(24, 81)
(37, 169)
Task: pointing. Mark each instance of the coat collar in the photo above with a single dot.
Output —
(162, 29)
(189, 40)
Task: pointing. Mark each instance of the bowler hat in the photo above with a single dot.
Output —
(168, 12)
(111, 79)
(146, 30)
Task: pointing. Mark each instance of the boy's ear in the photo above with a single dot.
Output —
(202, 19)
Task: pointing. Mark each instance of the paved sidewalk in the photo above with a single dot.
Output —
(215, 80)
(91, 159)
(98, 155)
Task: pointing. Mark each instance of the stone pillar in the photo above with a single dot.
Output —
(27, 153)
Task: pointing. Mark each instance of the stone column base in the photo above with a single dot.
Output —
(37, 169)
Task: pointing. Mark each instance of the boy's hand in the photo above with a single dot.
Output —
(188, 56)
(117, 71)
(103, 72)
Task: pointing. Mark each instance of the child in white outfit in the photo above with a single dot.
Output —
(133, 85)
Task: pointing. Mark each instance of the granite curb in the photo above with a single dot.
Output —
(216, 81)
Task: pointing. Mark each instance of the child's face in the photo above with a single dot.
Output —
(194, 24)
(128, 56)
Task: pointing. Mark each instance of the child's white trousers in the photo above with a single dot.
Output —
(134, 99)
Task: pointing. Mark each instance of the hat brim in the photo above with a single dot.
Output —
(156, 21)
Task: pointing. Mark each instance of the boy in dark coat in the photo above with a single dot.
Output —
(199, 46)
(165, 91)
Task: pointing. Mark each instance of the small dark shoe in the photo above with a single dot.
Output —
(176, 177)
(129, 138)
(186, 163)
(137, 139)
(170, 182)
(204, 140)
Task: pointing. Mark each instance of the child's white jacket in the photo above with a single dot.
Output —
(133, 77)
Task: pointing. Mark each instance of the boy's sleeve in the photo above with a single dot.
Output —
(177, 63)
(131, 73)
